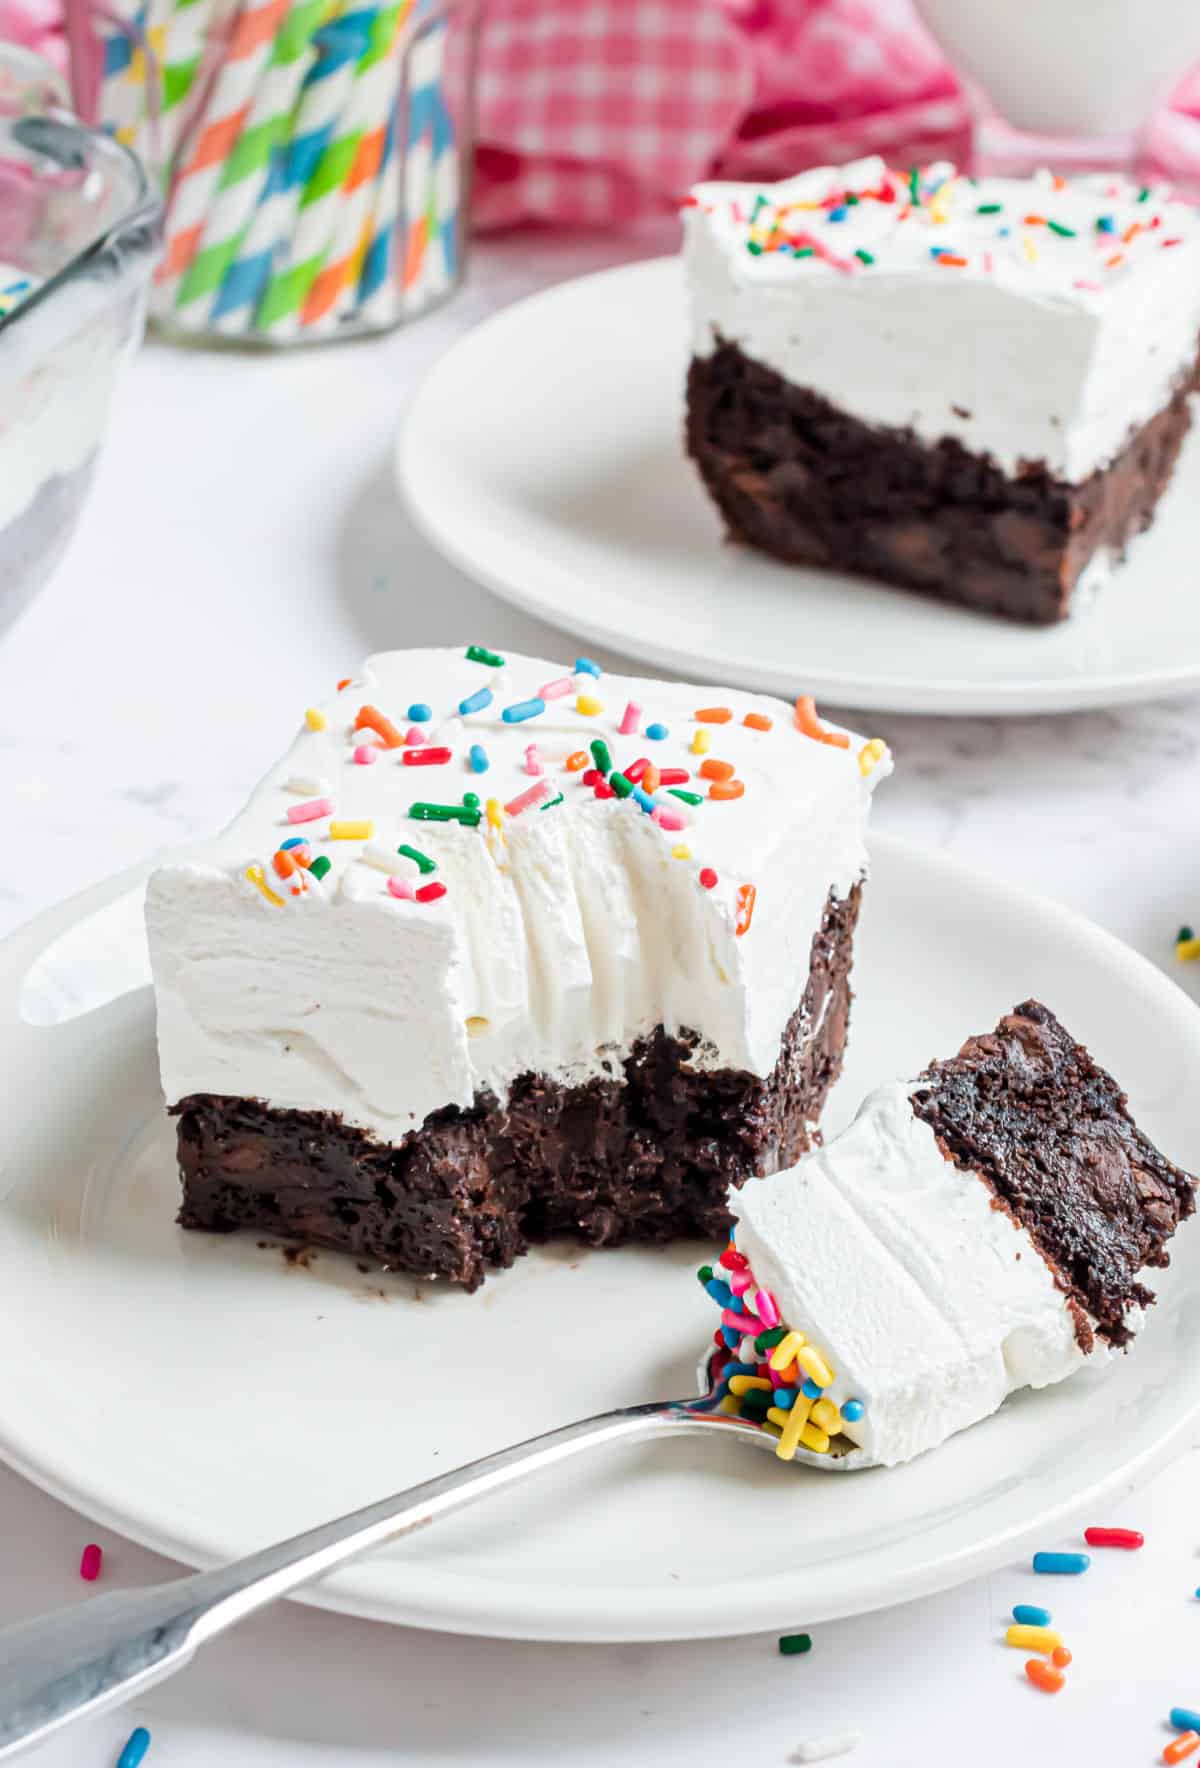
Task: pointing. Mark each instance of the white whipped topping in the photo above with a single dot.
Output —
(549, 954)
(931, 1305)
(1040, 346)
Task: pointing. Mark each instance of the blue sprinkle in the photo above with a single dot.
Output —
(522, 710)
(644, 799)
(735, 1304)
(1069, 1563)
(656, 732)
(1106, 224)
(1184, 1719)
(936, 251)
(476, 702)
(585, 666)
(296, 841)
(135, 1749)
(419, 712)
(738, 1369)
(838, 214)
(810, 1390)
(1026, 1614)
(785, 1398)
(852, 1411)
(479, 760)
(732, 1338)
(720, 1292)
(1003, 232)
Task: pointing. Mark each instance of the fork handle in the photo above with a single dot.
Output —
(102, 1653)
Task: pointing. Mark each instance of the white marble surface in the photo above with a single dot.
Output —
(244, 548)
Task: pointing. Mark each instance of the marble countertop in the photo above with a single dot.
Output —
(244, 545)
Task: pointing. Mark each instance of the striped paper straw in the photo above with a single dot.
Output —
(216, 134)
(371, 116)
(257, 151)
(264, 245)
(178, 31)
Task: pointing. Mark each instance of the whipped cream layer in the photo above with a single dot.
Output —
(931, 1304)
(1032, 320)
(564, 933)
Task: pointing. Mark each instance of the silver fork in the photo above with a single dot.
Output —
(93, 1657)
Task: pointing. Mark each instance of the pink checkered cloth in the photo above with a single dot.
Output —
(601, 111)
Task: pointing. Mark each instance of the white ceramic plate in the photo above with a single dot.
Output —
(544, 456)
(206, 1397)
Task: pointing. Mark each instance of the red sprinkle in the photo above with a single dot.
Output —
(90, 1561)
(604, 790)
(344, 683)
(636, 769)
(426, 757)
(593, 777)
(708, 877)
(430, 892)
(674, 776)
(1128, 1538)
(733, 1260)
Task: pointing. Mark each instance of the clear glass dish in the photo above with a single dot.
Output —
(80, 220)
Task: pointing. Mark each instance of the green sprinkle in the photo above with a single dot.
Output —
(620, 785)
(551, 802)
(1144, 194)
(757, 1399)
(704, 1274)
(1183, 934)
(863, 256)
(794, 1644)
(446, 813)
(471, 800)
(989, 208)
(851, 198)
(766, 1341)
(1062, 232)
(805, 252)
(320, 866)
(601, 756)
(753, 247)
(688, 797)
(422, 861)
(914, 183)
(477, 654)
(760, 203)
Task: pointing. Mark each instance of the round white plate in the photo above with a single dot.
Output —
(544, 456)
(205, 1396)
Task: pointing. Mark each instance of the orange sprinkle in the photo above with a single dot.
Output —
(1044, 1675)
(725, 789)
(284, 864)
(713, 715)
(1060, 1656)
(1181, 1746)
(1035, 221)
(344, 683)
(1131, 232)
(577, 761)
(757, 721)
(1059, 183)
(951, 260)
(301, 858)
(745, 910)
(1117, 258)
(716, 770)
(650, 778)
(808, 722)
(371, 719)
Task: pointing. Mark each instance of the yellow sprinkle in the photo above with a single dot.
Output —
(870, 755)
(681, 853)
(793, 1429)
(1187, 949)
(826, 1415)
(701, 743)
(314, 719)
(814, 1365)
(1033, 1638)
(351, 831)
(814, 1439)
(731, 1407)
(741, 1384)
(258, 878)
(786, 1349)
(589, 705)
(495, 813)
(1029, 248)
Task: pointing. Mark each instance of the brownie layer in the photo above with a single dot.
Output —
(796, 477)
(649, 1157)
(1028, 1109)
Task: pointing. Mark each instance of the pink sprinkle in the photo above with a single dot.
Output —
(1171, 242)
(310, 810)
(987, 262)
(557, 690)
(629, 720)
(523, 800)
(743, 1323)
(671, 820)
(89, 1564)
(414, 735)
(768, 1309)
(1094, 288)
(533, 761)
(402, 887)
(739, 1282)
(365, 755)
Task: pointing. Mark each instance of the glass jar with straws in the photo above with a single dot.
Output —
(314, 153)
